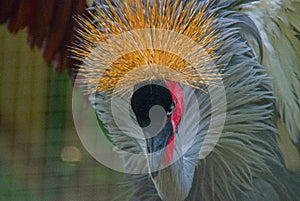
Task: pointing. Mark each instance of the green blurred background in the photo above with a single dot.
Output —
(41, 156)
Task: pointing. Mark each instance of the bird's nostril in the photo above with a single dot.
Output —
(155, 149)
(159, 147)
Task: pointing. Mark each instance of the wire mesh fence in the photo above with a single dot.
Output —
(41, 156)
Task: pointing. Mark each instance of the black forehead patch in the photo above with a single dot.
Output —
(146, 96)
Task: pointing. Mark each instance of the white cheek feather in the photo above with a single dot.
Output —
(279, 24)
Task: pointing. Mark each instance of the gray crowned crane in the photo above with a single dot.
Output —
(201, 99)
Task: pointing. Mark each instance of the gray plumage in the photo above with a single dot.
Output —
(247, 163)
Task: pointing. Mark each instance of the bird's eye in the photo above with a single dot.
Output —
(171, 109)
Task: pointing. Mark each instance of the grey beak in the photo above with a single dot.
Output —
(155, 162)
(156, 146)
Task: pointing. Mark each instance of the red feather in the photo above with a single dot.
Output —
(50, 26)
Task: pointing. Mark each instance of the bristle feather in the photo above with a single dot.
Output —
(115, 29)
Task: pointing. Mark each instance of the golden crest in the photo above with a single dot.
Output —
(125, 43)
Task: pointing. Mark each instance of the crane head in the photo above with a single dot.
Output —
(159, 108)
(195, 94)
(159, 62)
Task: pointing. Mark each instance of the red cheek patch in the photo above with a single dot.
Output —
(178, 98)
(169, 152)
